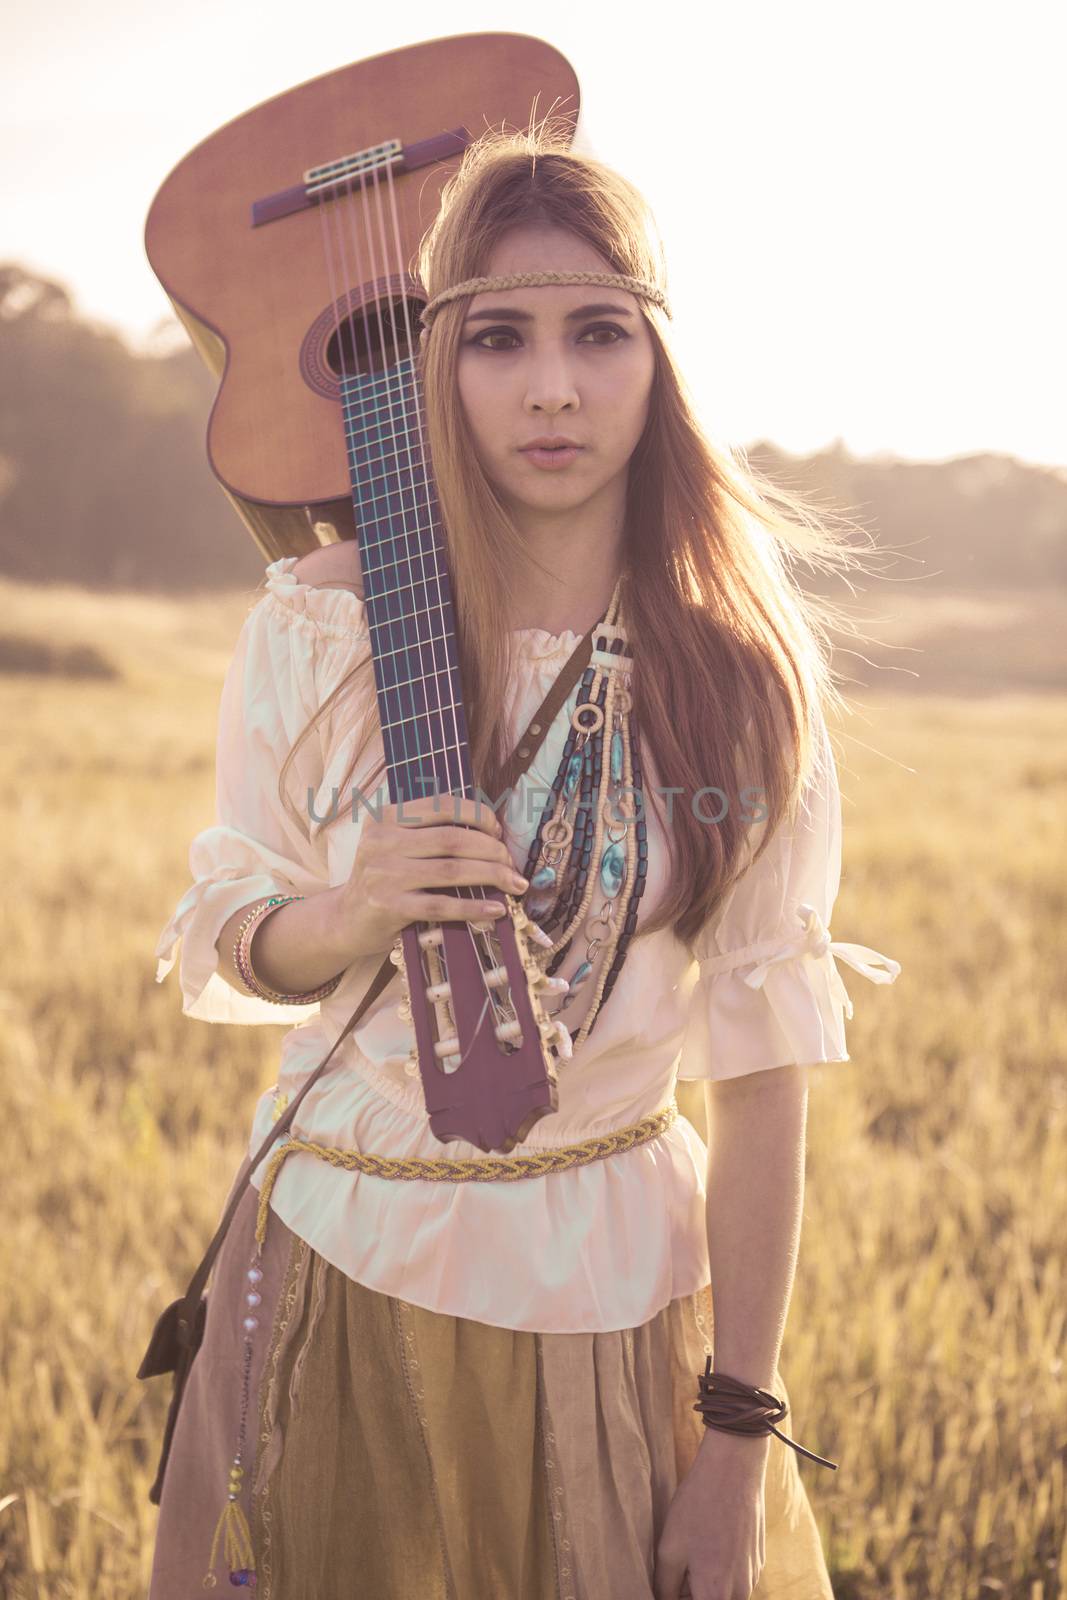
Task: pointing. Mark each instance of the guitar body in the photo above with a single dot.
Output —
(283, 242)
(261, 304)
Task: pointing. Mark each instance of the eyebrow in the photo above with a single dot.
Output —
(513, 314)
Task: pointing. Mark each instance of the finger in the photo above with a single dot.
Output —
(464, 872)
(450, 908)
(432, 810)
(446, 841)
(668, 1578)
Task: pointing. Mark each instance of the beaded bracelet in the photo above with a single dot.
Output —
(242, 958)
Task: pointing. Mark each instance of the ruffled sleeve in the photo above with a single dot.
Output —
(768, 991)
(255, 848)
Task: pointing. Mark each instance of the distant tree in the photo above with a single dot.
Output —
(974, 522)
(104, 478)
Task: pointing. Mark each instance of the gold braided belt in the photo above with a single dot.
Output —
(481, 1169)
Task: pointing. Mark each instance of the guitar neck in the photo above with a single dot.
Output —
(407, 592)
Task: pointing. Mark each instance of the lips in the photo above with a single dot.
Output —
(552, 460)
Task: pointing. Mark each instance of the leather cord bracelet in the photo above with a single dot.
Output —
(736, 1407)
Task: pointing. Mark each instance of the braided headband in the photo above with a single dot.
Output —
(512, 280)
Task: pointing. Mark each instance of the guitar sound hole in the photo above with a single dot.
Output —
(374, 338)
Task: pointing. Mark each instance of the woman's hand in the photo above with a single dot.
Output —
(401, 861)
(713, 1544)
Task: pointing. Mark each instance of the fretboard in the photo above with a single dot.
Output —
(407, 591)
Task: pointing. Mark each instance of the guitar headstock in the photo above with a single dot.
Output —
(483, 982)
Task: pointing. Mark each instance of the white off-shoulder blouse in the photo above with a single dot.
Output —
(591, 1248)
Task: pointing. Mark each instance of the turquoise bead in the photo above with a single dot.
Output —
(612, 867)
(574, 772)
(580, 976)
(616, 756)
(543, 878)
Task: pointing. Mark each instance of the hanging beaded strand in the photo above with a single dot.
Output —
(596, 777)
(628, 786)
(622, 871)
(232, 1526)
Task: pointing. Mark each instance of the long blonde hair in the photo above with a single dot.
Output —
(732, 669)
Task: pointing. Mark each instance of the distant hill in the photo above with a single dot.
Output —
(976, 522)
(104, 480)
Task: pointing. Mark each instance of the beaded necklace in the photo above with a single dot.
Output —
(591, 810)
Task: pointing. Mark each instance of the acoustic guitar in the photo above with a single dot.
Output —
(282, 242)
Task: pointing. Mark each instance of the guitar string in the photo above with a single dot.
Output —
(391, 414)
(387, 412)
(465, 891)
(334, 206)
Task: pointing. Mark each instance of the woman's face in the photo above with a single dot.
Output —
(528, 365)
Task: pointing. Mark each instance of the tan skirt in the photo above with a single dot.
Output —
(390, 1451)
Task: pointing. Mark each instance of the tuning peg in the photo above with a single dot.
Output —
(560, 1036)
(553, 985)
(524, 923)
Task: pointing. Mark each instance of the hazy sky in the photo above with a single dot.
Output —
(862, 204)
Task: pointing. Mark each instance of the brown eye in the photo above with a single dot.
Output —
(490, 333)
(508, 333)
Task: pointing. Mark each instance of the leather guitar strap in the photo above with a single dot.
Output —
(520, 760)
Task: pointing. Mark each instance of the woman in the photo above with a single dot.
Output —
(488, 1388)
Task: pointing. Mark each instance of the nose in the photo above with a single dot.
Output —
(551, 385)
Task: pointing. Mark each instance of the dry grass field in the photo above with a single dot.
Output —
(925, 1345)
